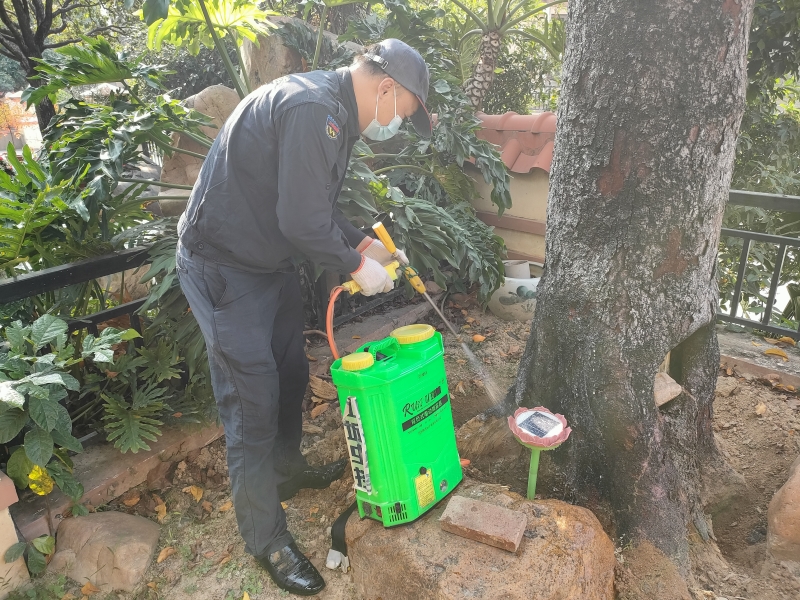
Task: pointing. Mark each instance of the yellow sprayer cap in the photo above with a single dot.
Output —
(357, 361)
(411, 334)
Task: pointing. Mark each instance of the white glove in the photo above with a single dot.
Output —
(372, 277)
(375, 250)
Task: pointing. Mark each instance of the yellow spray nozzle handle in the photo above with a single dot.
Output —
(414, 279)
(352, 287)
(384, 237)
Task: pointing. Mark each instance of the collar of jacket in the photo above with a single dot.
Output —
(349, 101)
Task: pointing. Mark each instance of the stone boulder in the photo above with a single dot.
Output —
(217, 102)
(564, 554)
(783, 519)
(110, 549)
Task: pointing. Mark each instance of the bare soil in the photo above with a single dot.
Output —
(209, 562)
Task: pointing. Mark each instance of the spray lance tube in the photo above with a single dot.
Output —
(400, 264)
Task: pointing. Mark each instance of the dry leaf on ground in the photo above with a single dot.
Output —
(312, 429)
(165, 554)
(317, 400)
(131, 498)
(777, 352)
(207, 506)
(88, 589)
(787, 340)
(152, 585)
(195, 491)
(68, 596)
(226, 506)
(245, 596)
(477, 338)
(761, 408)
(322, 389)
(318, 410)
(161, 512)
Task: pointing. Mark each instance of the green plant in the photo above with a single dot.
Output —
(48, 588)
(498, 20)
(35, 380)
(192, 23)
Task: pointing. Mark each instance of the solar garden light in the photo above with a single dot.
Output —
(538, 429)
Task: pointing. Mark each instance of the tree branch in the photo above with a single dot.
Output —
(9, 23)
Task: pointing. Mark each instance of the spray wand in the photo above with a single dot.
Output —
(409, 272)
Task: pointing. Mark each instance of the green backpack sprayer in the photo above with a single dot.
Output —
(397, 420)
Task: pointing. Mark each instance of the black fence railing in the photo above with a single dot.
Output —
(56, 278)
(775, 202)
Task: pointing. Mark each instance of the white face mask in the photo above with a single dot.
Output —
(376, 131)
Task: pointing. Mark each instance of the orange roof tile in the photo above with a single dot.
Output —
(525, 141)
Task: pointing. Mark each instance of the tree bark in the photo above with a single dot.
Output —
(477, 86)
(648, 119)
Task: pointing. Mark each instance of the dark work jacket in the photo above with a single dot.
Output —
(267, 191)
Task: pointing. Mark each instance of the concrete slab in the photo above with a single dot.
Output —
(750, 348)
(106, 473)
(369, 329)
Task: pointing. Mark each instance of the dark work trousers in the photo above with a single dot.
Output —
(253, 327)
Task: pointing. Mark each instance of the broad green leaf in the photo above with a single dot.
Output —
(79, 510)
(154, 10)
(16, 335)
(14, 552)
(130, 334)
(39, 446)
(18, 468)
(12, 420)
(66, 481)
(46, 329)
(66, 440)
(36, 561)
(46, 544)
(10, 395)
(45, 412)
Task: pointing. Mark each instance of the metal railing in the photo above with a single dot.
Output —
(56, 278)
(774, 202)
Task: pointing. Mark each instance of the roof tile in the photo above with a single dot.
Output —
(525, 141)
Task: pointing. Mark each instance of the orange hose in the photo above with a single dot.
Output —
(329, 319)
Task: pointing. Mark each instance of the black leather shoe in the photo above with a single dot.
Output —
(292, 571)
(312, 477)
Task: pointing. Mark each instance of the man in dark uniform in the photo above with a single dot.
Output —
(265, 199)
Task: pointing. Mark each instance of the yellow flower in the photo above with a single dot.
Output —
(41, 482)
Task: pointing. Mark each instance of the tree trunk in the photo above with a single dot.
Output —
(648, 118)
(478, 85)
(45, 111)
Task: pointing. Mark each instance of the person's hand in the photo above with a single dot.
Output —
(375, 250)
(372, 277)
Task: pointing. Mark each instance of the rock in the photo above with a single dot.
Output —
(432, 287)
(217, 102)
(565, 554)
(665, 389)
(783, 519)
(112, 550)
(269, 60)
(645, 573)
